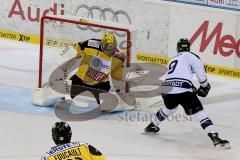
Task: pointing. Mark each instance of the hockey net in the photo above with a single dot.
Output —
(59, 32)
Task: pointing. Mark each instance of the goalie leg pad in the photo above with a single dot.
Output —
(42, 97)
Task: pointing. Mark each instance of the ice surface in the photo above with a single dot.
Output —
(25, 129)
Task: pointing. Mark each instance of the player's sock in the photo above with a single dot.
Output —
(162, 114)
(205, 122)
(210, 130)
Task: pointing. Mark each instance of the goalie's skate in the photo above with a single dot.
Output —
(219, 143)
(151, 128)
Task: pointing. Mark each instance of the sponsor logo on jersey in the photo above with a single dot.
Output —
(93, 43)
(96, 63)
(177, 83)
(101, 65)
(96, 75)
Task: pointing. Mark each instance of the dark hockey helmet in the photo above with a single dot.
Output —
(61, 133)
(183, 45)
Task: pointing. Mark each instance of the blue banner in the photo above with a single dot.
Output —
(223, 4)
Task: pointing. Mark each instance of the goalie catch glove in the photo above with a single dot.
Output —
(203, 91)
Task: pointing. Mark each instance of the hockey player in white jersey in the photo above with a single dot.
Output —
(181, 69)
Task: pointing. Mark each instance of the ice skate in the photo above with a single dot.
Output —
(219, 143)
(151, 128)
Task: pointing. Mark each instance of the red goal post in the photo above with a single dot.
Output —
(53, 38)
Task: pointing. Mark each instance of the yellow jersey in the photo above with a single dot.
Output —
(95, 65)
(73, 151)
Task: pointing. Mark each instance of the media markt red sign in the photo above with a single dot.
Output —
(226, 45)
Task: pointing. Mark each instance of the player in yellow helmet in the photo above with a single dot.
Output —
(99, 59)
(109, 43)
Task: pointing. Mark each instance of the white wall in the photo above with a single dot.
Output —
(185, 23)
(160, 24)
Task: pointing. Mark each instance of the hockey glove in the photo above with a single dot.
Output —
(203, 91)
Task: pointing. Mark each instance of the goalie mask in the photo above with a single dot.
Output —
(109, 43)
(183, 45)
(61, 133)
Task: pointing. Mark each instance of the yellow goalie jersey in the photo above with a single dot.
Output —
(74, 151)
(96, 65)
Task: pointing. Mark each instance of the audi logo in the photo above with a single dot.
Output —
(101, 15)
